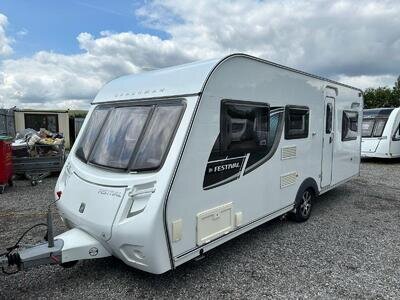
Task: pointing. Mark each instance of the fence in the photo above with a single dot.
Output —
(7, 122)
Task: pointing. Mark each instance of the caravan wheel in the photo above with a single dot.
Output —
(304, 205)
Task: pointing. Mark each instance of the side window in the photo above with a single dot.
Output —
(396, 136)
(296, 122)
(329, 113)
(248, 137)
(244, 126)
(349, 125)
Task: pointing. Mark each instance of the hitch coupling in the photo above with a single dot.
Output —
(37, 255)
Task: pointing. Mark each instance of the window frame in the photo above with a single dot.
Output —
(223, 122)
(43, 115)
(154, 103)
(291, 136)
(343, 138)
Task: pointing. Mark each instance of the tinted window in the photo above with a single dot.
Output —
(37, 121)
(244, 126)
(115, 144)
(274, 135)
(225, 166)
(396, 135)
(157, 138)
(377, 112)
(367, 127)
(349, 125)
(329, 113)
(133, 137)
(296, 122)
(379, 127)
(92, 131)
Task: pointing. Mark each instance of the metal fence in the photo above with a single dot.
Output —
(78, 122)
(7, 122)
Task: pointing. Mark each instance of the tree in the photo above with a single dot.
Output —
(383, 96)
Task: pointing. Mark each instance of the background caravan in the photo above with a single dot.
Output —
(380, 133)
(174, 162)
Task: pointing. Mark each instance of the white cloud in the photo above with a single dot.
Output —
(22, 32)
(368, 81)
(355, 42)
(5, 42)
(53, 78)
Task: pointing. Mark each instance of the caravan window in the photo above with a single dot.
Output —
(329, 114)
(396, 136)
(91, 133)
(367, 127)
(252, 134)
(379, 127)
(157, 140)
(296, 122)
(244, 126)
(374, 121)
(121, 132)
(349, 125)
(134, 138)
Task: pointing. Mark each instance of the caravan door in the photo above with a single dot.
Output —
(328, 141)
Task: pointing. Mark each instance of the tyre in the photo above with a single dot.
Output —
(304, 205)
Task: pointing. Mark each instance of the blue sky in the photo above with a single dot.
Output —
(54, 25)
(59, 53)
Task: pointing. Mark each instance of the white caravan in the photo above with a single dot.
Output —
(380, 133)
(174, 162)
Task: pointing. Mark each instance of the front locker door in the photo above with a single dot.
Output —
(328, 141)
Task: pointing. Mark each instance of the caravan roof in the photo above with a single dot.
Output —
(187, 79)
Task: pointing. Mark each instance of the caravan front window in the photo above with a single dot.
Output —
(120, 134)
(134, 137)
(374, 121)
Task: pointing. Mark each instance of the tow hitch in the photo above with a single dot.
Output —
(37, 255)
(65, 249)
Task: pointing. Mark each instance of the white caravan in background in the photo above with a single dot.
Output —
(174, 162)
(380, 133)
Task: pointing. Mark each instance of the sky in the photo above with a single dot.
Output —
(58, 54)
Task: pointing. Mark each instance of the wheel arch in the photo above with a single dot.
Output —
(307, 183)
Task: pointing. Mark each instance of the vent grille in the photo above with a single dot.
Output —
(288, 152)
(288, 179)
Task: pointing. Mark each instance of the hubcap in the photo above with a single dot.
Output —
(305, 206)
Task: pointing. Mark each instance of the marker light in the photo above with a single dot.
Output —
(59, 193)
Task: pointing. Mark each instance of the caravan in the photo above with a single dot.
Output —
(380, 133)
(174, 162)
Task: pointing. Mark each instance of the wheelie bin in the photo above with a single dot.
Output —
(6, 166)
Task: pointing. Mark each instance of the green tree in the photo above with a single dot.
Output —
(383, 96)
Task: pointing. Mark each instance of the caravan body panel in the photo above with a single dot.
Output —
(273, 185)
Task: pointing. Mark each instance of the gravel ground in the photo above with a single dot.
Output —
(348, 249)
